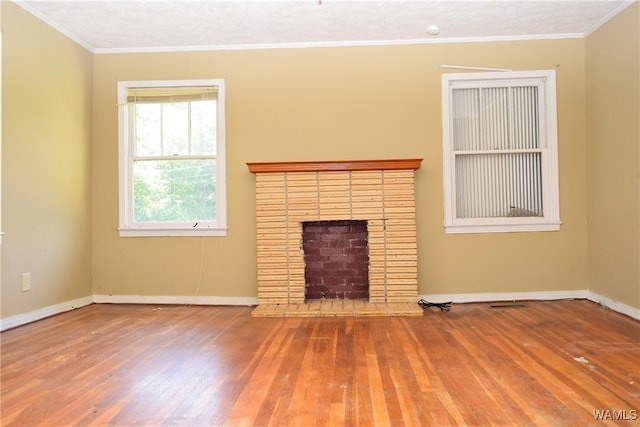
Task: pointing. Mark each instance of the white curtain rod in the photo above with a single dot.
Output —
(462, 67)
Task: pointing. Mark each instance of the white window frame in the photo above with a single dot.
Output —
(550, 220)
(130, 228)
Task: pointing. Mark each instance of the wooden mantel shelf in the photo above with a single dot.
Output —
(333, 166)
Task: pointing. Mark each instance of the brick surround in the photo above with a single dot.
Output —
(380, 192)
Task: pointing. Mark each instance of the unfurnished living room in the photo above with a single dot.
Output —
(320, 213)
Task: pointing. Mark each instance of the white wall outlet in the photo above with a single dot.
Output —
(26, 282)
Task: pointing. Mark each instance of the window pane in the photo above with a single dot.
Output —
(203, 127)
(466, 119)
(147, 125)
(499, 185)
(175, 128)
(174, 190)
(495, 123)
(526, 120)
(499, 118)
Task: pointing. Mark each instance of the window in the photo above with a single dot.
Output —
(172, 164)
(500, 152)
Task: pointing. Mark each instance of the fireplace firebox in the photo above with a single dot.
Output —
(336, 259)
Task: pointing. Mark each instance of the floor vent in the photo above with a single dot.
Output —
(507, 306)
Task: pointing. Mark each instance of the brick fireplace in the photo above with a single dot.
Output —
(378, 192)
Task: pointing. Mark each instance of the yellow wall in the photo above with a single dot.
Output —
(336, 104)
(60, 164)
(46, 180)
(613, 157)
(0, 162)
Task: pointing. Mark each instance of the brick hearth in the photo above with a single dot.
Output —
(380, 192)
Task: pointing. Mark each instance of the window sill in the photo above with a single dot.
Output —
(173, 232)
(501, 228)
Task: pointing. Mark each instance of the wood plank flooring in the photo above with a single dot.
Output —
(549, 363)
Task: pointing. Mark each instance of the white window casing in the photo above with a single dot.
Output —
(171, 143)
(500, 154)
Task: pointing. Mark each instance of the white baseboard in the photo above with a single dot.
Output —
(505, 296)
(22, 319)
(32, 316)
(174, 299)
(628, 310)
(614, 305)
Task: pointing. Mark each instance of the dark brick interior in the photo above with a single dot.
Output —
(336, 258)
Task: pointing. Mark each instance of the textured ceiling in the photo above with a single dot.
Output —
(120, 26)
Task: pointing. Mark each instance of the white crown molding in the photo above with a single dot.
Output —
(54, 25)
(608, 17)
(257, 46)
(263, 46)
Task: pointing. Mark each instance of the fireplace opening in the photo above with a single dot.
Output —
(336, 256)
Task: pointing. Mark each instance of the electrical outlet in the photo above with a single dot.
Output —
(26, 282)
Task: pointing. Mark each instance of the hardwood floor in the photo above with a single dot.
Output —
(542, 364)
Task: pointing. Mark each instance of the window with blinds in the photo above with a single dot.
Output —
(172, 158)
(500, 152)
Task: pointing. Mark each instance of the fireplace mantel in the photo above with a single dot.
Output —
(335, 166)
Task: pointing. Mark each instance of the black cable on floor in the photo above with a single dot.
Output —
(443, 306)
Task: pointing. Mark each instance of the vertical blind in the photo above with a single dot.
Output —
(497, 149)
